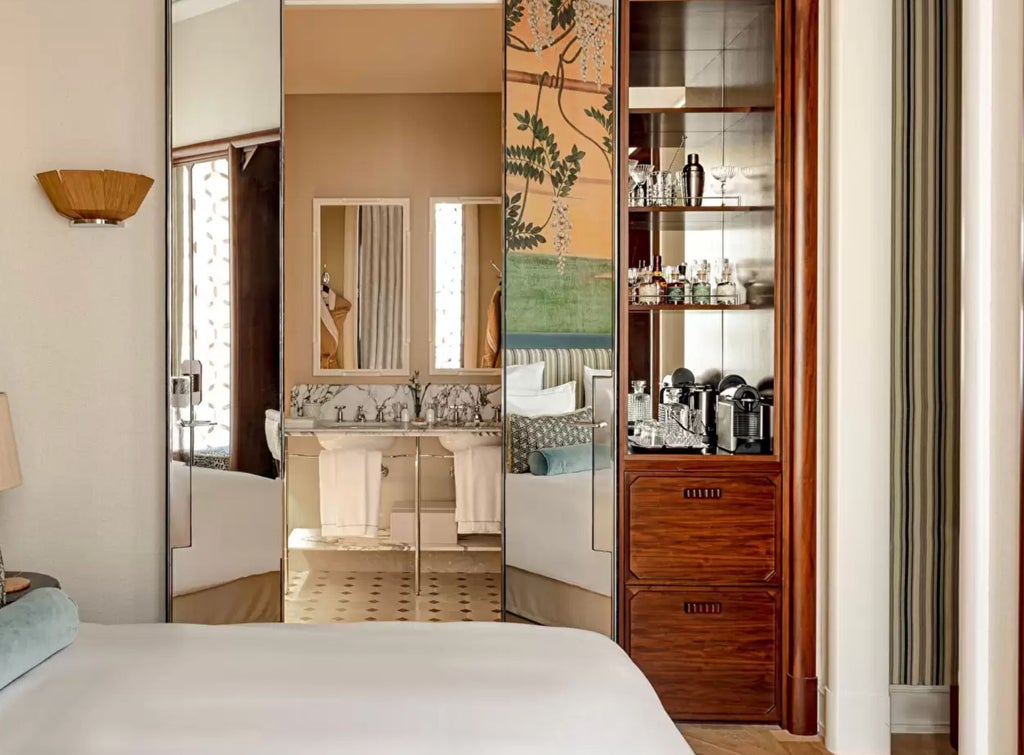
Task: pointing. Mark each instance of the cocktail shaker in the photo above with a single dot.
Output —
(693, 181)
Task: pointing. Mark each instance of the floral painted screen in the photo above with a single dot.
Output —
(558, 166)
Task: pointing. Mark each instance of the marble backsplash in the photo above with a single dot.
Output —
(328, 398)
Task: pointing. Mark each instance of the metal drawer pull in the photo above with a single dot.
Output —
(702, 493)
(706, 607)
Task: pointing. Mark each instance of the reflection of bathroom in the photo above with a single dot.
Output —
(392, 262)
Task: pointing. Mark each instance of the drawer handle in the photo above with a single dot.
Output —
(705, 607)
(702, 493)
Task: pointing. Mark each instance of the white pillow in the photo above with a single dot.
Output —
(520, 378)
(558, 400)
(589, 373)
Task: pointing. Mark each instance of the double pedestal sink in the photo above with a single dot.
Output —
(380, 436)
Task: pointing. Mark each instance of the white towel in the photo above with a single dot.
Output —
(478, 490)
(350, 493)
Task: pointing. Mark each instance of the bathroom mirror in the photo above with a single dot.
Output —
(225, 496)
(361, 285)
(465, 281)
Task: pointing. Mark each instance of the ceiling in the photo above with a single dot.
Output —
(393, 49)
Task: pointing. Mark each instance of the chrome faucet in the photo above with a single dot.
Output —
(339, 413)
(360, 414)
(478, 414)
(380, 413)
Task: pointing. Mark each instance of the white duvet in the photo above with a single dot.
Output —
(477, 688)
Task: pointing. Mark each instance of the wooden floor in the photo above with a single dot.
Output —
(759, 740)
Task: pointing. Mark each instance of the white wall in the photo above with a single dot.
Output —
(227, 72)
(859, 321)
(82, 334)
(993, 100)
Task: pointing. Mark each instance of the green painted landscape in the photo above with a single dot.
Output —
(540, 299)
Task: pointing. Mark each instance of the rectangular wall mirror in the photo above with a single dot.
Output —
(361, 271)
(465, 268)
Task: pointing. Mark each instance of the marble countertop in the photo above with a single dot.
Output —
(299, 426)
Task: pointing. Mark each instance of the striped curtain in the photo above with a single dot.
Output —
(381, 282)
(926, 341)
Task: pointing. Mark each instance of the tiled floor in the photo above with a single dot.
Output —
(324, 597)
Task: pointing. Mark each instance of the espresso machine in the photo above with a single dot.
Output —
(680, 392)
(743, 418)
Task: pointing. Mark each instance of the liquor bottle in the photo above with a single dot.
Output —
(725, 291)
(648, 289)
(676, 293)
(702, 283)
(659, 278)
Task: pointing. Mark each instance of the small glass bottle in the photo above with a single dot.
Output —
(675, 294)
(702, 283)
(648, 289)
(725, 291)
(659, 279)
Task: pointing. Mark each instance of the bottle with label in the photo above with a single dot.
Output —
(702, 283)
(725, 291)
(676, 294)
(648, 289)
(659, 279)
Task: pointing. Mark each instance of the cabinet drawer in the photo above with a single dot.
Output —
(703, 530)
(711, 655)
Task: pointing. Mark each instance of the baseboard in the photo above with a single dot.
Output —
(919, 709)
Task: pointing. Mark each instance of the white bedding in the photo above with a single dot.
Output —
(548, 528)
(359, 688)
(237, 522)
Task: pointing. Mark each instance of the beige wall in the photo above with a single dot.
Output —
(365, 146)
(82, 341)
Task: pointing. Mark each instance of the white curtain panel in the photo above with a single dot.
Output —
(381, 325)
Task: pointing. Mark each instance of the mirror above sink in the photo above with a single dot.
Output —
(361, 285)
(466, 251)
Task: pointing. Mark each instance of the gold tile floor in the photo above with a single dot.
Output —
(332, 597)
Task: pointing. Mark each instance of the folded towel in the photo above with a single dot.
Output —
(478, 490)
(34, 628)
(350, 493)
(568, 459)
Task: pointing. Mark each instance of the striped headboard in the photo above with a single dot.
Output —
(563, 365)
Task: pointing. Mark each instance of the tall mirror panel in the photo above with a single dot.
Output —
(559, 343)
(225, 497)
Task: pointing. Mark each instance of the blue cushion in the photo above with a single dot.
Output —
(568, 459)
(34, 628)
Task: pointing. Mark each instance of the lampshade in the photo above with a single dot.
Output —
(10, 470)
(95, 197)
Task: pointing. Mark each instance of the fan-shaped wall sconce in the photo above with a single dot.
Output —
(95, 197)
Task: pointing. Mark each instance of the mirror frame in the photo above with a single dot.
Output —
(403, 202)
(439, 371)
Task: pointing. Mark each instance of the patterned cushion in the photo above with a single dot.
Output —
(529, 434)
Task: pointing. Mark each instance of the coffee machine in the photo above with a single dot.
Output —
(743, 418)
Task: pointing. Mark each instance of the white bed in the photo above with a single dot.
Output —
(236, 525)
(360, 688)
(549, 528)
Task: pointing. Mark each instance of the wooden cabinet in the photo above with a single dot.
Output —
(703, 530)
(711, 654)
(716, 556)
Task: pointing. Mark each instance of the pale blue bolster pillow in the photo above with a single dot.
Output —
(34, 628)
(568, 459)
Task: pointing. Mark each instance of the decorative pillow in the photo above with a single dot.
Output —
(589, 373)
(569, 459)
(529, 434)
(557, 400)
(524, 377)
(40, 624)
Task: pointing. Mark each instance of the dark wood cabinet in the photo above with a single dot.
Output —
(711, 654)
(703, 530)
(716, 556)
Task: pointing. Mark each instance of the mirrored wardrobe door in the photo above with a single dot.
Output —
(225, 496)
(559, 300)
